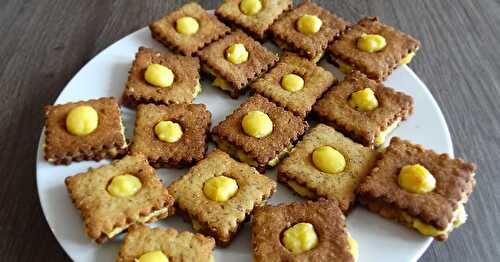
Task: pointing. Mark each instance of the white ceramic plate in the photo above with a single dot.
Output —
(106, 74)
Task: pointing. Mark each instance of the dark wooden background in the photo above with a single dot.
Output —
(44, 43)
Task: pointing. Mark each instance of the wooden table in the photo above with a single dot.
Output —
(44, 43)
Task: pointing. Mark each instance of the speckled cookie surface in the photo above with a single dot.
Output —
(221, 219)
(316, 81)
(107, 141)
(362, 127)
(183, 89)
(308, 45)
(102, 212)
(177, 246)
(258, 24)
(287, 128)
(378, 65)
(454, 182)
(210, 29)
(238, 75)
(194, 120)
(298, 166)
(269, 222)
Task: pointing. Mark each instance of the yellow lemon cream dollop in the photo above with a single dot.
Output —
(124, 186)
(187, 25)
(82, 120)
(328, 160)
(416, 179)
(153, 256)
(237, 54)
(292, 82)
(407, 59)
(168, 131)
(353, 247)
(300, 238)
(309, 24)
(250, 7)
(257, 124)
(371, 43)
(363, 100)
(220, 188)
(159, 75)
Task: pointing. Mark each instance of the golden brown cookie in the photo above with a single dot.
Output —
(378, 65)
(299, 169)
(259, 152)
(194, 120)
(105, 215)
(256, 25)
(210, 29)
(381, 193)
(236, 76)
(316, 81)
(177, 246)
(269, 222)
(221, 220)
(106, 141)
(184, 89)
(312, 46)
(363, 127)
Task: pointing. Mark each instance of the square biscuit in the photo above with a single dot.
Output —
(105, 215)
(269, 223)
(194, 120)
(258, 152)
(378, 65)
(299, 168)
(184, 89)
(210, 29)
(256, 25)
(381, 193)
(106, 141)
(316, 81)
(221, 220)
(237, 76)
(177, 246)
(368, 128)
(312, 46)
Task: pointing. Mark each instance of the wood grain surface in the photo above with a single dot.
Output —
(44, 43)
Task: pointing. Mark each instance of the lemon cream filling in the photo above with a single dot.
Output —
(159, 75)
(363, 100)
(141, 220)
(257, 124)
(301, 190)
(243, 157)
(309, 24)
(187, 25)
(300, 238)
(197, 89)
(380, 138)
(168, 131)
(152, 256)
(82, 120)
(459, 218)
(371, 43)
(250, 7)
(218, 81)
(220, 188)
(353, 247)
(328, 160)
(407, 59)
